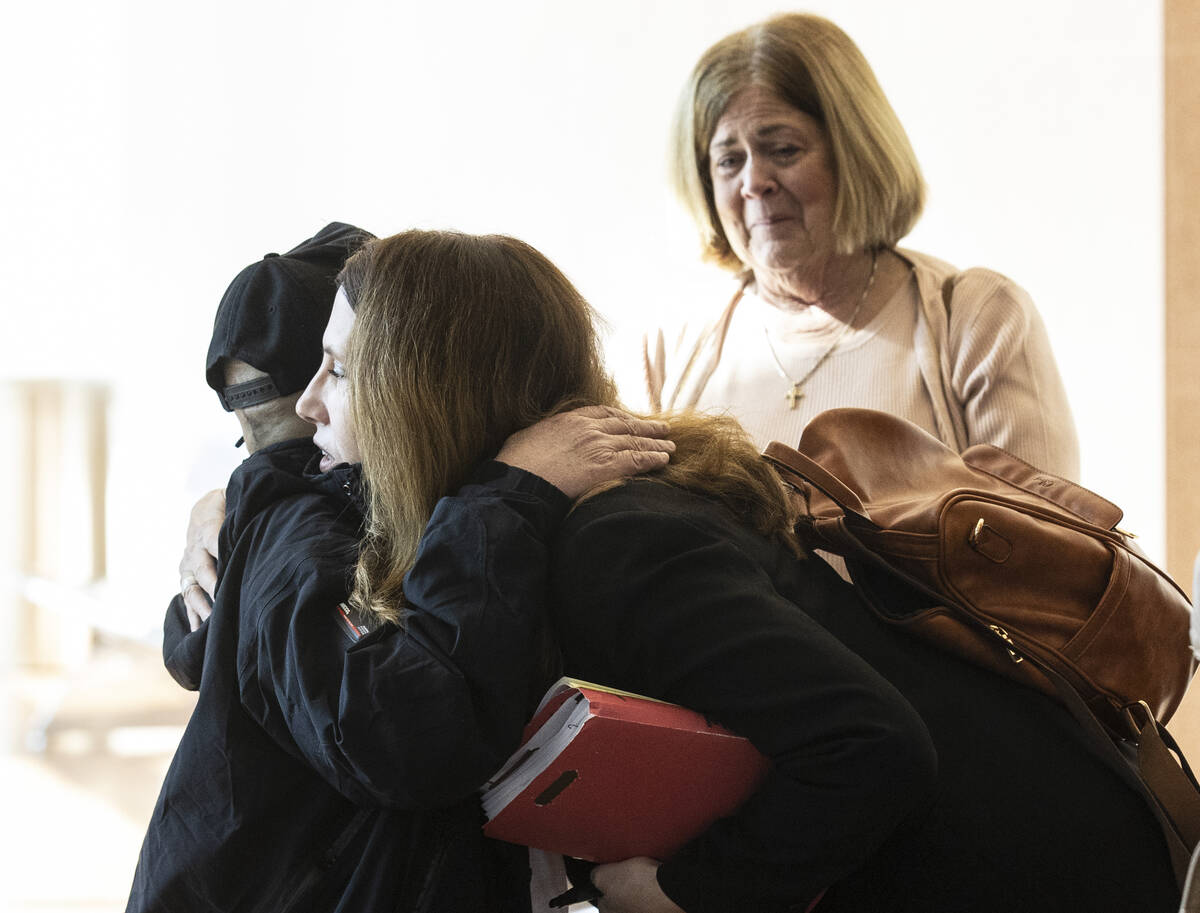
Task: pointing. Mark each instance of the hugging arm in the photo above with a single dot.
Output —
(420, 714)
(572, 450)
(670, 606)
(416, 715)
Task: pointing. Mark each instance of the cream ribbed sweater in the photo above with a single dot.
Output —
(962, 354)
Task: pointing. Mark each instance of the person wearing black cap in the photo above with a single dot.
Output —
(329, 760)
(265, 346)
(266, 342)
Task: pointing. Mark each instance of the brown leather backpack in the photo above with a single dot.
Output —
(1014, 569)
(1017, 570)
(1006, 562)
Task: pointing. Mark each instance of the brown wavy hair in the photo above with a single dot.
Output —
(815, 67)
(461, 340)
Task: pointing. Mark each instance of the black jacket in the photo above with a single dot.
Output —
(665, 593)
(325, 768)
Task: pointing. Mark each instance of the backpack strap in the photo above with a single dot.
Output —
(1157, 769)
(799, 471)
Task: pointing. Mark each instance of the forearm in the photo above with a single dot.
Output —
(852, 759)
(680, 613)
(478, 590)
(420, 715)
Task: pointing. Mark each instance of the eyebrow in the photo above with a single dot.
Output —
(761, 132)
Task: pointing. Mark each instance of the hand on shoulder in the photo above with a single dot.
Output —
(577, 450)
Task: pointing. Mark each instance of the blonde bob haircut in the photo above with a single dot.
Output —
(458, 342)
(813, 65)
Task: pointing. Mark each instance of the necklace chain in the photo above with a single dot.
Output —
(794, 395)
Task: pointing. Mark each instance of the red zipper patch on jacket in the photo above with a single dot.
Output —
(356, 632)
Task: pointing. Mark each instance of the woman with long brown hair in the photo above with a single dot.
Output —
(332, 760)
(688, 585)
(456, 342)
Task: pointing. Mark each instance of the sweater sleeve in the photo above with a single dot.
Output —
(418, 715)
(1004, 374)
(672, 608)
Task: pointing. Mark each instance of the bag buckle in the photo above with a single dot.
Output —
(973, 535)
(1131, 717)
(989, 543)
(1009, 645)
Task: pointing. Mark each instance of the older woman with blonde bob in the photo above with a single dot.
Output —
(802, 182)
(689, 585)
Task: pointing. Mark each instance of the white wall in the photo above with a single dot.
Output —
(153, 149)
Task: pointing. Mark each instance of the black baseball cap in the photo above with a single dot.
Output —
(273, 315)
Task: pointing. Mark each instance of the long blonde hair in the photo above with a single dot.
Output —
(814, 66)
(459, 341)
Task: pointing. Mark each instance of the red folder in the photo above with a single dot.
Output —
(606, 775)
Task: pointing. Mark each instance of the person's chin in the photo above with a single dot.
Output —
(782, 256)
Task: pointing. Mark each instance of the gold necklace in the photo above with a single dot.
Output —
(794, 394)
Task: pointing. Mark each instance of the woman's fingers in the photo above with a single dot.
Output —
(205, 570)
(198, 566)
(638, 433)
(585, 447)
(195, 601)
(636, 442)
(630, 426)
(637, 460)
(618, 421)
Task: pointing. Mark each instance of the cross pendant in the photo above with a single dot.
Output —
(794, 396)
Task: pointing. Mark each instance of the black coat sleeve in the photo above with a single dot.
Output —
(417, 715)
(183, 648)
(671, 605)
